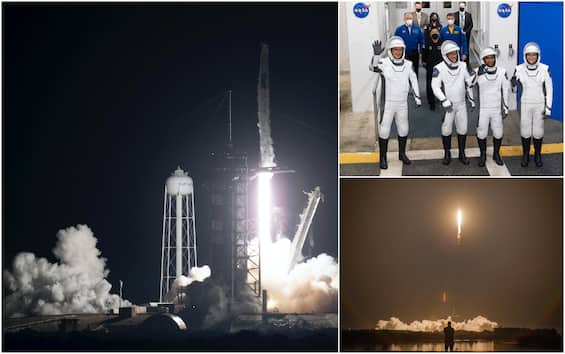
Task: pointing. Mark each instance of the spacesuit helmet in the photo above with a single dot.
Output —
(448, 47)
(532, 47)
(396, 42)
(485, 53)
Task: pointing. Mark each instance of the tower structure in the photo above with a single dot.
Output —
(178, 250)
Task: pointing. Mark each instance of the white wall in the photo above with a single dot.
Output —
(361, 33)
(343, 39)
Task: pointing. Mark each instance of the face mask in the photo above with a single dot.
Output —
(450, 22)
(418, 10)
(434, 19)
(462, 9)
(435, 36)
(408, 22)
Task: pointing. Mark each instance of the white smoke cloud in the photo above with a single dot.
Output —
(311, 286)
(76, 284)
(477, 324)
(198, 274)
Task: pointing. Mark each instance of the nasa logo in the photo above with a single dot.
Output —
(504, 10)
(361, 10)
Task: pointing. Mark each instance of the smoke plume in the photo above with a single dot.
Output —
(75, 284)
(477, 324)
(311, 286)
(178, 290)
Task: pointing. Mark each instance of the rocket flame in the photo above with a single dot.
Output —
(459, 219)
(264, 208)
(444, 297)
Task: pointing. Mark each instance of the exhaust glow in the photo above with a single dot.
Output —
(264, 208)
(459, 219)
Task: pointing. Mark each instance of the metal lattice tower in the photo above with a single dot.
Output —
(246, 262)
(178, 251)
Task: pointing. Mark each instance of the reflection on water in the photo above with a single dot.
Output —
(460, 346)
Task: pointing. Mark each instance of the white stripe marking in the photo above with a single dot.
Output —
(492, 168)
(394, 166)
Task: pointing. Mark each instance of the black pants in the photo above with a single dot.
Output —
(414, 57)
(449, 345)
(429, 91)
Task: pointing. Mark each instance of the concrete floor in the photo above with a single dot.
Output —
(552, 166)
(358, 135)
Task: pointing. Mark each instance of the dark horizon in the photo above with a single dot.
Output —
(399, 251)
(102, 101)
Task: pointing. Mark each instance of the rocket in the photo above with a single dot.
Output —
(263, 102)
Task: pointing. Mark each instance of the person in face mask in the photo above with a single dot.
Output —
(434, 23)
(431, 57)
(464, 20)
(413, 37)
(420, 17)
(453, 32)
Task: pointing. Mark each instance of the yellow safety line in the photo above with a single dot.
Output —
(373, 157)
(545, 149)
(358, 157)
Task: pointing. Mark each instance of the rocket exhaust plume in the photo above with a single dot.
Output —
(459, 219)
(477, 324)
(264, 204)
(76, 284)
(311, 285)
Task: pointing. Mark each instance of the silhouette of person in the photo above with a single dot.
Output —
(449, 333)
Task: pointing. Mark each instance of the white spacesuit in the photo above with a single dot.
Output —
(450, 81)
(396, 78)
(535, 101)
(494, 87)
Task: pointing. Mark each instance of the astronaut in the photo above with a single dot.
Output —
(535, 100)
(494, 89)
(450, 81)
(397, 76)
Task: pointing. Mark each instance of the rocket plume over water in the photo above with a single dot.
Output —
(477, 324)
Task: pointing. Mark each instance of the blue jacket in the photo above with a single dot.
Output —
(413, 41)
(458, 37)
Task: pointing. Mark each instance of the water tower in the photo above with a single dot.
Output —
(178, 253)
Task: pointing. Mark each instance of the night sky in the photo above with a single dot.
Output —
(399, 251)
(103, 101)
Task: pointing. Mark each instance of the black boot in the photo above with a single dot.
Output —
(461, 141)
(402, 150)
(447, 149)
(383, 144)
(537, 152)
(496, 151)
(525, 152)
(483, 149)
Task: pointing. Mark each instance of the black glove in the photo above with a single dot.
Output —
(377, 47)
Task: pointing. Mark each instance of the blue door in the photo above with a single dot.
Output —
(542, 22)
